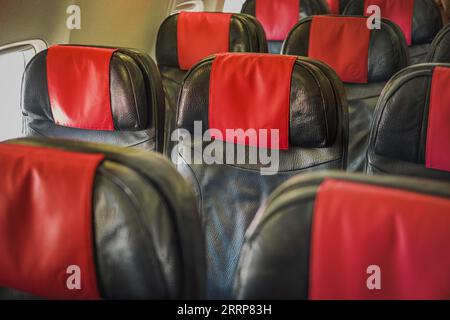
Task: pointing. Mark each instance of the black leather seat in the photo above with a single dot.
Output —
(278, 17)
(125, 217)
(364, 59)
(94, 94)
(230, 190)
(348, 236)
(410, 134)
(420, 25)
(440, 48)
(182, 44)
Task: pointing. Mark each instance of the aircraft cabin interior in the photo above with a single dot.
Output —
(225, 150)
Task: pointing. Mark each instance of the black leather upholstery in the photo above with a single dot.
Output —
(148, 237)
(246, 35)
(427, 22)
(440, 48)
(307, 8)
(399, 131)
(230, 194)
(387, 55)
(275, 259)
(137, 102)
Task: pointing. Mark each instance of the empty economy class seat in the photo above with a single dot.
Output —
(94, 94)
(91, 221)
(411, 134)
(337, 236)
(278, 17)
(364, 60)
(248, 122)
(420, 21)
(186, 38)
(440, 48)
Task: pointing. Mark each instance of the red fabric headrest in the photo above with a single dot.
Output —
(360, 228)
(46, 223)
(438, 133)
(334, 6)
(79, 87)
(251, 91)
(343, 43)
(201, 34)
(278, 17)
(399, 11)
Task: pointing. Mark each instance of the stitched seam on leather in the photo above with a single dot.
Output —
(133, 90)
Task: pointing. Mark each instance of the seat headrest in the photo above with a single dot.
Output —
(261, 92)
(188, 37)
(410, 133)
(93, 88)
(356, 53)
(420, 20)
(349, 237)
(336, 6)
(278, 17)
(79, 221)
(440, 48)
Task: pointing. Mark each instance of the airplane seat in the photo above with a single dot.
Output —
(279, 17)
(89, 221)
(337, 6)
(364, 59)
(420, 21)
(410, 134)
(186, 38)
(94, 94)
(232, 174)
(440, 48)
(338, 236)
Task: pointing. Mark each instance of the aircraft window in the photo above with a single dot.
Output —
(233, 5)
(193, 5)
(13, 60)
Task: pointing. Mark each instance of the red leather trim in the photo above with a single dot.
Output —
(438, 133)
(46, 221)
(79, 87)
(343, 43)
(405, 234)
(251, 91)
(334, 6)
(201, 34)
(277, 17)
(399, 11)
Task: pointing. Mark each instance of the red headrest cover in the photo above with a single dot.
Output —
(251, 91)
(357, 227)
(278, 17)
(201, 34)
(438, 133)
(80, 96)
(334, 6)
(343, 43)
(46, 237)
(399, 11)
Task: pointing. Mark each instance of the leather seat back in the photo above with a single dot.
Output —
(420, 21)
(337, 236)
(94, 94)
(364, 59)
(278, 17)
(440, 48)
(301, 98)
(90, 221)
(410, 134)
(186, 38)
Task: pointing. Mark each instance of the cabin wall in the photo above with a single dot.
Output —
(126, 23)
